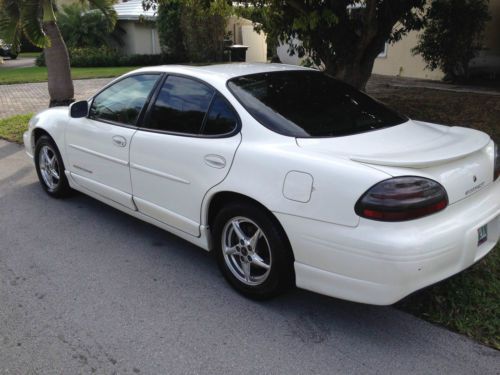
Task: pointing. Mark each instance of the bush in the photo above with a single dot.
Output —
(203, 26)
(453, 35)
(169, 29)
(84, 27)
(192, 30)
(102, 57)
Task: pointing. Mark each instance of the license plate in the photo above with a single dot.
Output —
(482, 235)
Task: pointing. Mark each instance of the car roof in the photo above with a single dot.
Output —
(221, 72)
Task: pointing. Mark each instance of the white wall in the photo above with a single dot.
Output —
(140, 38)
(256, 42)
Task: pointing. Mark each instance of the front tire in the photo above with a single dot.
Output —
(252, 250)
(50, 168)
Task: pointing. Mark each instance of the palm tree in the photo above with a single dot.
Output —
(36, 19)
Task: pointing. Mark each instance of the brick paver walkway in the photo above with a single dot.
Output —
(33, 97)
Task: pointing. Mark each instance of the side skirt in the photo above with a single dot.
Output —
(203, 241)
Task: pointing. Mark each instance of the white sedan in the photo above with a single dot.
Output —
(289, 176)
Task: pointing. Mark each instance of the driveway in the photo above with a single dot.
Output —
(87, 289)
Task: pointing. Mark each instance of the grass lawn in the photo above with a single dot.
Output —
(29, 54)
(39, 74)
(468, 303)
(12, 128)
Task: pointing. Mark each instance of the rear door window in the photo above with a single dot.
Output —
(181, 106)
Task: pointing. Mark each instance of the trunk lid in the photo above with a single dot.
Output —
(461, 159)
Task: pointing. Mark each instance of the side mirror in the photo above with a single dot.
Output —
(79, 109)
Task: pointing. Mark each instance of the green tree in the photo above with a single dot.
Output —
(342, 36)
(84, 27)
(169, 29)
(453, 35)
(192, 29)
(203, 26)
(36, 20)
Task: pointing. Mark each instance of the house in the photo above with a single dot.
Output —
(398, 60)
(141, 35)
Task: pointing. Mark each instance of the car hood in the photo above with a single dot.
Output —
(461, 159)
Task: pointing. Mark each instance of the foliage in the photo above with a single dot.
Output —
(24, 18)
(260, 17)
(453, 35)
(39, 74)
(203, 26)
(84, 27)
(36, 20)
(342, 36)
(105, 56)
(12, 128)
(169, 29)
(195, 27)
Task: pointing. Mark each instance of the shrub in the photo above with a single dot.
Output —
(84, 27)
(169, 29)
(192, 30)
(101, 57)
(203, 26)
(453, 35)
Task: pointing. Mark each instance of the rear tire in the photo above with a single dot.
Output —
(252, 250)
(50, 168)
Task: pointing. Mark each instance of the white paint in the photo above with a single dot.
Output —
(298, 186)
(336, 252)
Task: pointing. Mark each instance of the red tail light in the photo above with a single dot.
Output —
(401, 199)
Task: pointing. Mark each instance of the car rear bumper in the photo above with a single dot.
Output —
(380, 263)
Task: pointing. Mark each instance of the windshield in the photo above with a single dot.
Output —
(310, 104)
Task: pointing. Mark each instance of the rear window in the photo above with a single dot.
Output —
(310, 104)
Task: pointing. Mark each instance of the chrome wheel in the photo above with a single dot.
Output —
(246, 251)
(49, 167)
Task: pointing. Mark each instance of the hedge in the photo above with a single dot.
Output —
(97, 57)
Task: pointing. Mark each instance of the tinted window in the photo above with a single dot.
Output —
(310, 104)
(181, 106)
(221, 118)
(123, 101)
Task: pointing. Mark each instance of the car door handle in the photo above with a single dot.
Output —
(119, 141)
(215, 161)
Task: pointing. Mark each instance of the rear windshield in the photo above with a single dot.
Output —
(310, 104)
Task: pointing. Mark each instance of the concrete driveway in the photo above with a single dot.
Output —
(87, 289)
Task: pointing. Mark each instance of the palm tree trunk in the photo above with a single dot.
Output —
(60, 84)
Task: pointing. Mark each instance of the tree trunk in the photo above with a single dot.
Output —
(60, 84)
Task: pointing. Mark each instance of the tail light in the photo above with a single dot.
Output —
(496, 167)
(401, 199)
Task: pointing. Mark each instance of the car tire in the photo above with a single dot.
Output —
(258, 265)
(13, 56)
(50, 168)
